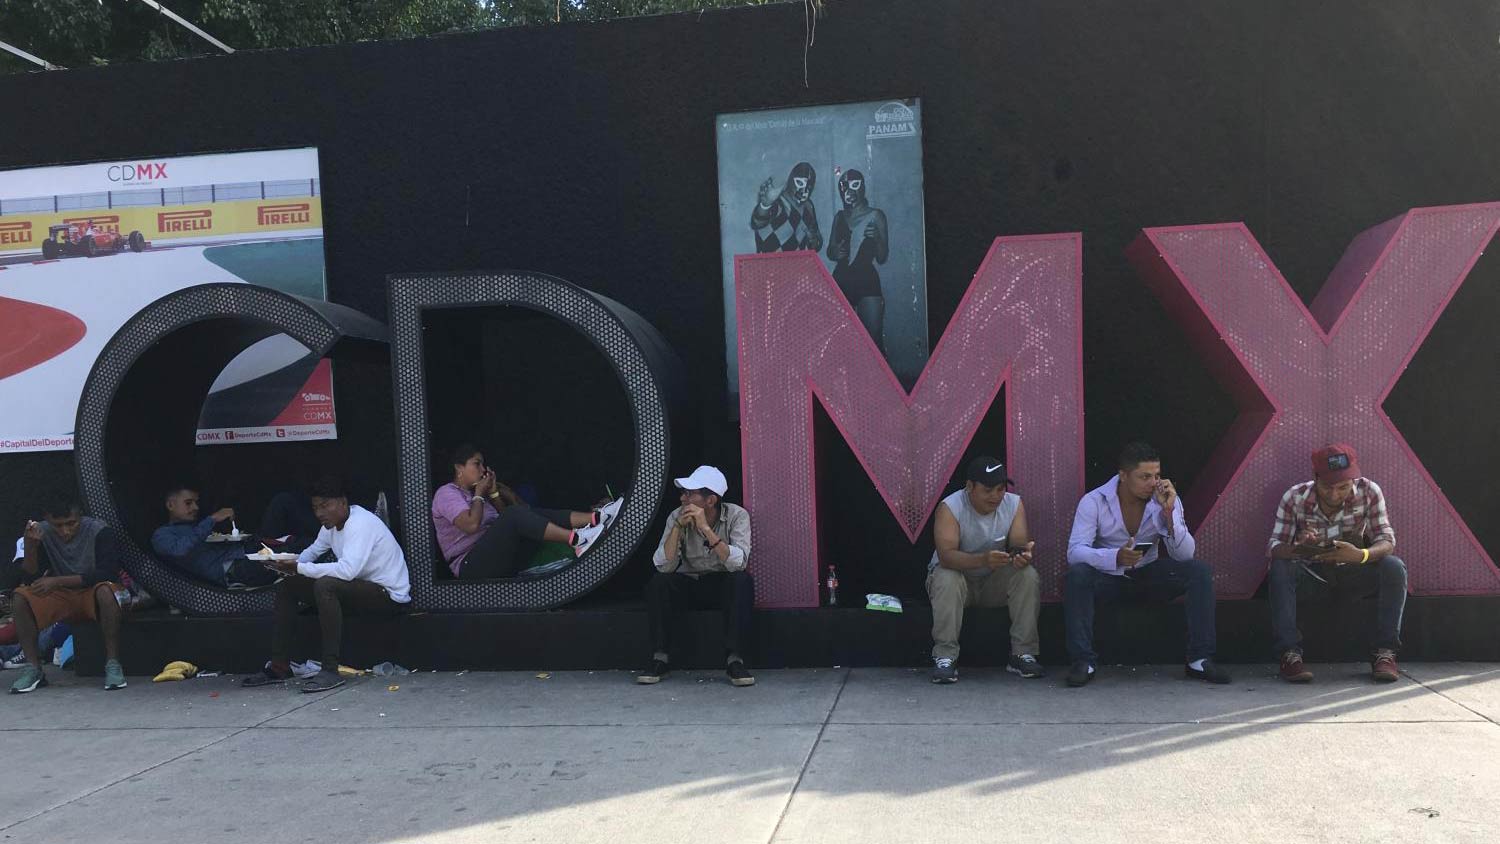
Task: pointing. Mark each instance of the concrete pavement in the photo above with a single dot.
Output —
(805, 755)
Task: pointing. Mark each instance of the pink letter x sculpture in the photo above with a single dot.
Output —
(1305, 376)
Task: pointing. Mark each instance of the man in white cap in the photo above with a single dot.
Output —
(700, 564)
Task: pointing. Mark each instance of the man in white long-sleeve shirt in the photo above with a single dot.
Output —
(1118, 532)
(700, 563)
(368, 577)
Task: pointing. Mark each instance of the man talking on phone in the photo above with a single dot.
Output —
(1333, 536)
(1114, 548)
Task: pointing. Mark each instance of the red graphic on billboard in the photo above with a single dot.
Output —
(31, 334)
(313, 403)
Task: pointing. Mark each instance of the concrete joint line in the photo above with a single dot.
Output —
(807, 760)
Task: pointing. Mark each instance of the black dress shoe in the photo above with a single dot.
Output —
(1080, 674)
(653, 675)
(1211, 672)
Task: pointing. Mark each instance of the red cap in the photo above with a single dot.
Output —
(1336, 462)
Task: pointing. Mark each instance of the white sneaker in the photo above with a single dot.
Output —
(584, 537)
(608, 512)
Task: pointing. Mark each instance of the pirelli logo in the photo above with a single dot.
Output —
(16, 231)
(284, 214)
(100, 222)
(185, 221)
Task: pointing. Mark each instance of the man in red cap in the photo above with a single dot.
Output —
(1333, 536)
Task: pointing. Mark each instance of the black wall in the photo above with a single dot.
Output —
(588, 152)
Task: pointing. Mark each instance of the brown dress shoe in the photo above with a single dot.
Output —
(1292, 669)
(1383, 667)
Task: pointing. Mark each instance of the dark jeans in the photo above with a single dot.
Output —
(669, 594)
(1162, 580)
(290, 514)
(249, 573)
(1384, 580)
(333, 598)
(497, 553)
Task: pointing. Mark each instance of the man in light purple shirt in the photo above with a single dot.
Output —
(1118, 533)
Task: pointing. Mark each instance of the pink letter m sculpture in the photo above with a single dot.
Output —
(1019, 324)
(1305, 376)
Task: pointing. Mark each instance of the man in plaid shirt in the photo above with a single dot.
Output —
(1333, 536)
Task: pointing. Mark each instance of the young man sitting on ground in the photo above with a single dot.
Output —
(369, 577)
(700, 563)
(68, 568)
(184, 542)
(482, 525)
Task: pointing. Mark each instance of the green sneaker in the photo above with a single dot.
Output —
(31, 677)
(114, 675)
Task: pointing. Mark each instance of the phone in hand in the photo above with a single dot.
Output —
(1143, 547)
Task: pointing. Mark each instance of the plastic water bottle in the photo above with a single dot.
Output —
(833, 586)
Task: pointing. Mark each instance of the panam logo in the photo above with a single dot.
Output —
(281, 215)
(185, 221)
(893, 120)
(103, 223)
(316, 397)
(16, 231)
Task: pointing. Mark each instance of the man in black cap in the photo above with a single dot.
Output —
(983, 558)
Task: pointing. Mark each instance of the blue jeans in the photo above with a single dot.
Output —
(1385, 580)
(1163, 580)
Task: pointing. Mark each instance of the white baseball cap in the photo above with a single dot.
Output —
(704, 477)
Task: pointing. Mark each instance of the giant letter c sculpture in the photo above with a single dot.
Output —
(132, 434)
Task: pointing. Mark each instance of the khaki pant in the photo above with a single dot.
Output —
(1019, 590)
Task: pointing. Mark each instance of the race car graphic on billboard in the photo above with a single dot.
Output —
(84, 247)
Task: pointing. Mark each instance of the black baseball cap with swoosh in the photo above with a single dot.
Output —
(988, 471)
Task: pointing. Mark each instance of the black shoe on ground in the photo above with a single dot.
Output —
(1080, 674)
(322, 681)
(944, 671)
(1210, 672)
(739, 675)
(654, 674)
(267, 676)
(1026, 666)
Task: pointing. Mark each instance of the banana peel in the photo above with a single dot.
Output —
(178, 670)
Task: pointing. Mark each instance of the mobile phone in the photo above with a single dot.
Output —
(1143, 547)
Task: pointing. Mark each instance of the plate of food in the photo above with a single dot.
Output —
(237, 536)
(266, 554)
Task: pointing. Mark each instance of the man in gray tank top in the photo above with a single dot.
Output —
(983, 558)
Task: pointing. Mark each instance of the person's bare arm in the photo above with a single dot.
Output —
(945, 537)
